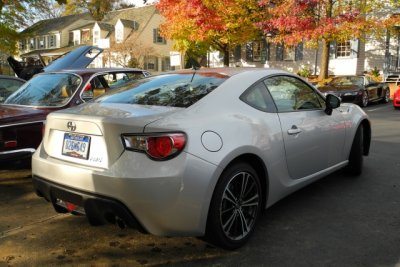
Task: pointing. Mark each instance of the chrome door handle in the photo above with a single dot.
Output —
(294, 130)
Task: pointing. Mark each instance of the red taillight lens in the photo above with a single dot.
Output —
(160, 147)
(10, 144)
(88, 87)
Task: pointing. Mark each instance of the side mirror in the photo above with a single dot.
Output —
(331, 103)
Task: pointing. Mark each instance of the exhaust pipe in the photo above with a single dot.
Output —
(121, 224)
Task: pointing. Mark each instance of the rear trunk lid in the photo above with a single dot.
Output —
(90, 134)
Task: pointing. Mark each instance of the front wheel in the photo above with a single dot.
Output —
(235, 207)
(364, 99)
(356, 153)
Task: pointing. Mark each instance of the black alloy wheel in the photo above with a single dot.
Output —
(235, 207)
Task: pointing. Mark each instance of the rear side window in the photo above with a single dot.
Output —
(257, 96)
(174, 90)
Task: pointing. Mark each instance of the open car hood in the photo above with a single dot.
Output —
(78, 58)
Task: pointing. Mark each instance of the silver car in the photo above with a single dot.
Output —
(196, 152)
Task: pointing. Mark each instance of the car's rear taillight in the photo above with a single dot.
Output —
(156, 146)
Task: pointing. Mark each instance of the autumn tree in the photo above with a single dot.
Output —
(129, 53)
(15, 15)
(218, 24)
(97, 8)
(322, 21)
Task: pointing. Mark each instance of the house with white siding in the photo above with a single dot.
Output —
(55, 37)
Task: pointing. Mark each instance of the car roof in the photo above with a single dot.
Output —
(230, 71)
(97, 70)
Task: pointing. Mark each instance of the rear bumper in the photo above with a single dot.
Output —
(98, 209)
(167, 198)
(16, 154)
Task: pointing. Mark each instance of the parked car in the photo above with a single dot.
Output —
(396, 98)
(8, 85)
(357, 89)
(23, 113)
(196, 153)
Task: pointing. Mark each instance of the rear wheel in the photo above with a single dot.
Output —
(356, 153)
(235, 207)
(386, 97)
(364, 99)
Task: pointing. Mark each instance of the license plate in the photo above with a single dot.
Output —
(76, 146)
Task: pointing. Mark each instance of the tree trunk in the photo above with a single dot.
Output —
(226, 55)
(324, 65)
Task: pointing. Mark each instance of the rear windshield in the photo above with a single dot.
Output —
(174, 90)
(46, 90)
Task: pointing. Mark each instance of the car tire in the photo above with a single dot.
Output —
(364, 99)
(356, 153)
(386, 97)
(231, 218)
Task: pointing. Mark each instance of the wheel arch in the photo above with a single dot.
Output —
(367, 136)
(257, 163)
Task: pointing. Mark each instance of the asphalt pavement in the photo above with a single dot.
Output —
(337, 221)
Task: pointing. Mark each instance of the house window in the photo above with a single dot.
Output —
(85, 36)
(32, 43)
(96, 37)
(71, 38)
(151, 63)
(257, 51)
(343, 49)
(257, 48)
(51, 41)
(157, 38)
(42, 42)
(288, 53)
(166, 64)
(22, 44)
(119, 35)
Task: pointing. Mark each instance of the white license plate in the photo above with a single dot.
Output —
(76, 146)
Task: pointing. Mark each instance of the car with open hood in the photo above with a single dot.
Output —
(196, 152)
(64, 83)
(360, 90)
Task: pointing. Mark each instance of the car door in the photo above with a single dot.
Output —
(372, 87)
(313, 140)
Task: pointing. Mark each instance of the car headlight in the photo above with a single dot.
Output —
(156, 146)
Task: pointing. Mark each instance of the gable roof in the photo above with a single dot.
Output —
(129, 23)
(49, 25)
(140, 15)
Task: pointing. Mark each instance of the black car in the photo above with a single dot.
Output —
(360, 90)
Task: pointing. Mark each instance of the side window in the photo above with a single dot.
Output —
(256, 97)
(96, 88)
(117, 79)
(292, 94)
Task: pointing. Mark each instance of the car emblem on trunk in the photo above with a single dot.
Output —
(71, 126)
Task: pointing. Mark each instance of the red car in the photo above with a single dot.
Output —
(396, 98)
(23, 113)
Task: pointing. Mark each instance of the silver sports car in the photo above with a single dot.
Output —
(196, 152)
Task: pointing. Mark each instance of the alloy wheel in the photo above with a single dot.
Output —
(239, 206)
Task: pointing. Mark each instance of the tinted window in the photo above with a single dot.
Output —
(175, 90)
(7, 87)
(255, 97)
(51, 89)
(292, 94)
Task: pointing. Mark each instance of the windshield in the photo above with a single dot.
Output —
(174, 90)
(347, 80)
(46, 90)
